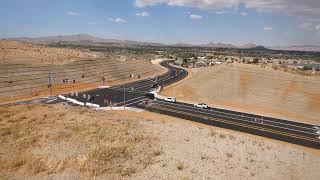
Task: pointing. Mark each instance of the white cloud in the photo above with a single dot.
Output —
(195, 17)
(268, 28)
(117, 20)
(309, 26)
(72, 13)
(305, 10)
(306, 26)
(143, 14)
(222, 12)
(203, 4)
(243, 13)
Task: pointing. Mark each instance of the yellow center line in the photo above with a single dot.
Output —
(241, 124)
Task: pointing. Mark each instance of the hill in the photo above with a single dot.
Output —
(82, 39)
(86, 39)
(23, 52)
(308, 48)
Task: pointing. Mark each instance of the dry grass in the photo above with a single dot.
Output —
(180, 166)
(40, 140)
(195, 151)
(249, 88)
(17, 52)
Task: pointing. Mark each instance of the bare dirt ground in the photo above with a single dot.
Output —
(25, 67)
(65, 142)
(253, 89)
(18, 52)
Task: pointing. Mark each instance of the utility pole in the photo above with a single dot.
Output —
(156, 78)
(103, 75)
(124, 97)
(50, 83)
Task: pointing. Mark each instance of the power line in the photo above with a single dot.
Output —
(44, 85)
(74, 68)
(43, 79)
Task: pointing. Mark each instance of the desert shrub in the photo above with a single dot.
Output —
(306, 68)
(229, 155)
(212, 133)
(180, 166)
(222, 136)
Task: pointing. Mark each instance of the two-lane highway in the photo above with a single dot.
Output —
(129, 94)
(298, 133)
(134, 95)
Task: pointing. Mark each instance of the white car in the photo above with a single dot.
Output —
(170, 99)
(201, 105)
(316, 127)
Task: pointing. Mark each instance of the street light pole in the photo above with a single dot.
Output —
(50, 83)
(124, 97)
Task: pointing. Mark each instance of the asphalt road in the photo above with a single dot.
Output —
(134, 95)
(129, 94)
(284, 130)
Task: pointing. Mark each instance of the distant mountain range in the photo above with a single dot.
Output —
(308, 48)
(82, 39)
(86, 39)
(217, 45)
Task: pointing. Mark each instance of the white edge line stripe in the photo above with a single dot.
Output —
(201, 112)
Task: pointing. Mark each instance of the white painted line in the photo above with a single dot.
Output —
(128, 90)
(62, 97)
(49, 101)
(202, 112)
(92, 105)
(129, 100)
(103, 87)
(121, 108)
(253, 118)
(136, 102)
(79, 103)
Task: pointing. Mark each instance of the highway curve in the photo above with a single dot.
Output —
(134, 95)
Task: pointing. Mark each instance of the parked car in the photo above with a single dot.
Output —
(155, 85)
(150, 95)
(201, 105)
(170, 99)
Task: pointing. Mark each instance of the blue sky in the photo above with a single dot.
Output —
(276, 23)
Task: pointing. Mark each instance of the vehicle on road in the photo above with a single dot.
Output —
(155, 85)
(150, 95)
(170, 99)
(201, 105)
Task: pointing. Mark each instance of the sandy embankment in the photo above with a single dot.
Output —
(26, 53)
(39, 57)
(65, 142)
(252, 89)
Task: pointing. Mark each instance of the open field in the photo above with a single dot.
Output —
(253, 89)
(65, 142)
(70, 142)
(18, 81)
(26, 70)
(18, 52)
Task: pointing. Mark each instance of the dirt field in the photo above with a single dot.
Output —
(17, 52)
(25, 70)
(65, 142)
(68, 142)
(253, 89)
